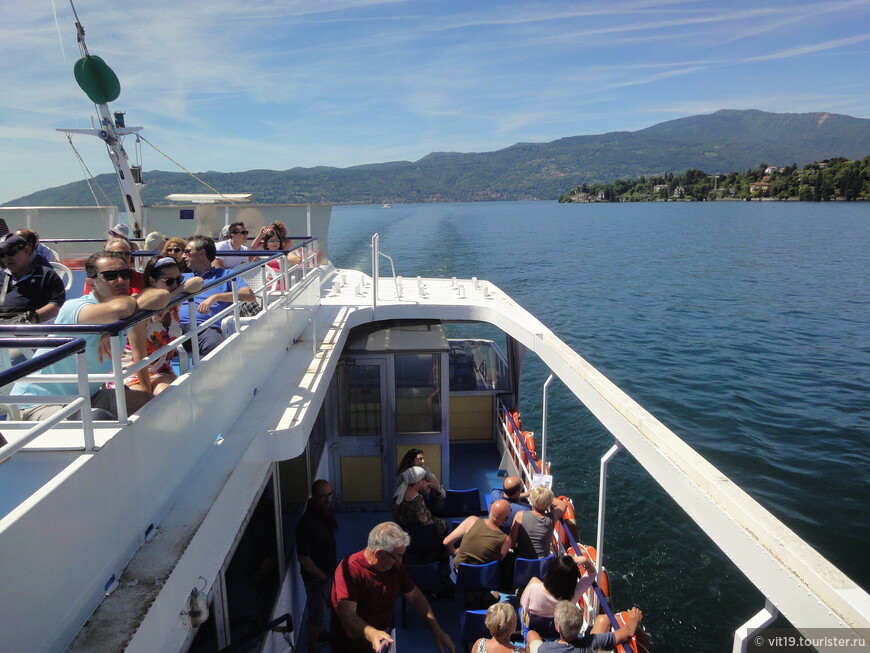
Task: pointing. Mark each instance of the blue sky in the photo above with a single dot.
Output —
(277, 84)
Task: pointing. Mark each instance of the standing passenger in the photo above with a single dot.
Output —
(366, 587)
(315, 546)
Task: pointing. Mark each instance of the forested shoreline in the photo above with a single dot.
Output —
(829, 180)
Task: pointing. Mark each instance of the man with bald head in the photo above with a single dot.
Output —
(482, 542)
(514, 495)
(482, 539)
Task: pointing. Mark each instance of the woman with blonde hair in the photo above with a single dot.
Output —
(501, 621)
(532, 530)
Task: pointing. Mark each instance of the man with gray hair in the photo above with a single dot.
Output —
(568, 620)
(365, 589)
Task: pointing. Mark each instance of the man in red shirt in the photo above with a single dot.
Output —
(365, 589)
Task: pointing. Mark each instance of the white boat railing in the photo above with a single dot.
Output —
(276, 294)
(62, 347)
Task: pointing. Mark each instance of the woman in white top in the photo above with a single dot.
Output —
(568, 578)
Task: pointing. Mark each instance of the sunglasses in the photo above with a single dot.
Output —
(11, 252)
(274, 242)
(111, 275)
(171, 281)
(173, 249)
(236, 233)
(191, 252)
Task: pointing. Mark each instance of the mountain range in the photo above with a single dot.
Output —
(721, 142)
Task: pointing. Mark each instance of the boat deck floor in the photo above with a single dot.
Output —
(471, 465)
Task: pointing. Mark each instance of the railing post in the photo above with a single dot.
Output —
(85, 391)
(544, 426)
(117, 369)
(375, 269)
(194, 326)
(761, 620)
(602, 503)
(237, 309)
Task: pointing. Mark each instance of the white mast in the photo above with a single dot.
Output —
(102, 86)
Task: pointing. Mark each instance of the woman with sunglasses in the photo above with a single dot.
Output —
(174, 247)
(146, 337)
(274, 236)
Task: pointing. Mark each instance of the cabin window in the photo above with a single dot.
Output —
(253, 575)
(477, 365)
(360, 412)
(418, 393)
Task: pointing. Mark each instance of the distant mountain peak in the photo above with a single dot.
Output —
(727, 140)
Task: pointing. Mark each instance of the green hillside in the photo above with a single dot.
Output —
(717, 143)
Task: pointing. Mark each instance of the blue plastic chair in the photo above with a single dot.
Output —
(471, 578)
(427, 577)
(425, 543)
(527, 568)
(462, 503)
(472, 626)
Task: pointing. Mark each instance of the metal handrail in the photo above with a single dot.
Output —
(271, 626)
(64, 347)
(508, 431)
(29, 369)
(602, 600)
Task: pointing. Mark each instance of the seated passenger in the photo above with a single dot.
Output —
(409, 508)
(123, 247)
(280, 231)
(433, 492)
(28, 292)
(238, 236)
(199, 254)
(160, 329)
(482, 539)
(564, 581)
(154, 241)
(514, 495)
(501, 621)
(532, 530)
(174, 247)
(109, 303)
(122, 231)
(39, 253)
(569, 621)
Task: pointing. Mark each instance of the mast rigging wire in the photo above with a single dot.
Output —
(203, 182)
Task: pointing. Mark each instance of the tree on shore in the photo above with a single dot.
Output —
(832, 179)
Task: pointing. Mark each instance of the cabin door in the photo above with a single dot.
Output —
(359, 448)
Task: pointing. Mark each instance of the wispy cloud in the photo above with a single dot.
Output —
(279, 83)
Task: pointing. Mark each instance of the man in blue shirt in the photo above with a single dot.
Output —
(514, 495)
(199, 254)
(569, 620)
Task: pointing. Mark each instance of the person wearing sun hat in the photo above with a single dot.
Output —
(121, 230)
(154, 241)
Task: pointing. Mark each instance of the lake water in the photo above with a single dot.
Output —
(742, 326)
